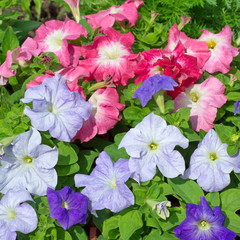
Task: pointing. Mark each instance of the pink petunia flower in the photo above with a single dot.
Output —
(106, 18)
(193, 47)
(176, 64)
(53, 35)
(110, 55)
(203, 99)
(104, 115)
(5, 69)
(222, 51)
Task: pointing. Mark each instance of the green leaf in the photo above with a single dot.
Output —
(86, 159)
(67, 169)
(139, 193)
(230, 200)
(153, 235)
(129, 223)
(110, 224)
(188, 190)
(233, 96)
(67, 154)
(232, 222)
(10, 41)
(213, 199)
(135, 113)
(77, 232)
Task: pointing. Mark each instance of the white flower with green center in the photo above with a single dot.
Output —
(27, 164)
(15, 215)
(211, 165)
(151, 143)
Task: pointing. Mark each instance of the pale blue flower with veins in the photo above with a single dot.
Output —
(28, 164)
(151, 144)
(15, 215)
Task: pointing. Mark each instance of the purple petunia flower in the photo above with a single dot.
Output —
(236, 107)
(67, 206)
(105, 186)
(56, 108)
(203, 223)
(211, 165)
(152, 85)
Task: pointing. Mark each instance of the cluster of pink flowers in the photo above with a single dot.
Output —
(110, 61)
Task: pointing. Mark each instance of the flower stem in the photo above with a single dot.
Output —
(159, 99)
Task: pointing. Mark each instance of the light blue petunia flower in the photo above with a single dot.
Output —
(28, 165)
(56, 108)
(151, 143)
(211, 165)
(105, 187)
(15, 215)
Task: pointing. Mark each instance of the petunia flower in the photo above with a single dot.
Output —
(222, 51)
(67, 206)
(211, 165)
(104, 114)
(182, 67)
(28, 164)
(106, 18)
(203, 99)
(152, 85)
(236, 107)
(192, 47)
(16, 215)
(105, 186)
(202, 222)
(5, 69)
(110, 55)
(56, 108)
(53, 35)
(151, 144)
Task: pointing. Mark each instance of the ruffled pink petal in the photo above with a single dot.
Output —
(222, 53)
(104, 116)
(5, 69)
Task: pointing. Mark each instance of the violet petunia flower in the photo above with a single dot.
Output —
(236, 107)
(67, 206)
(152, 85)
(105, 187)
(211, 165)
(151, 144)
(56, 108)
(202, 222)
(28, 164)
(16, 215)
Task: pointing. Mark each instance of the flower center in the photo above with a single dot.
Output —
(113, 183)
(153, 146)
(52, 109)
(65, 205)
(111, 54)
(194, 97)
(156, 70)
(114, 10)
(11, 214)
(27, 159)
(204, 225)
(54, 40)
(213, 156)
(211, 44)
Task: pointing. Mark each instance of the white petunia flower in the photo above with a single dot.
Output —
(211, 165)
(29, 165)
(151, 143)
(16, 216)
